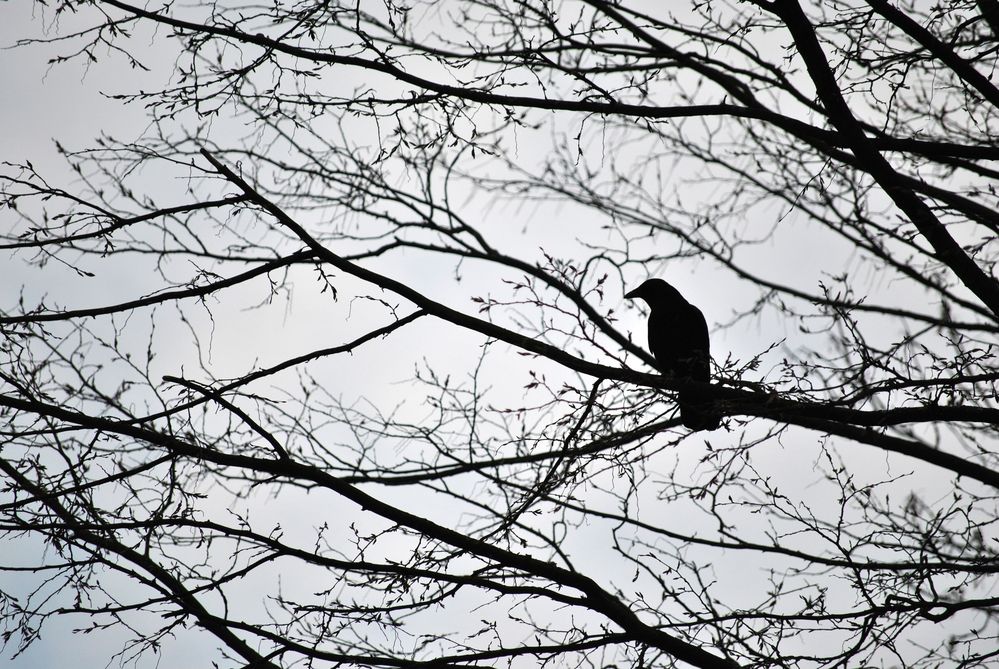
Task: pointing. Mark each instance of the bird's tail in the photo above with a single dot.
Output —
(698, 413)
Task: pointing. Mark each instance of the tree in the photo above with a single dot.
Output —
(458, 194)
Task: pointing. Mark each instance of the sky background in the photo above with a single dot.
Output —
(40, 104)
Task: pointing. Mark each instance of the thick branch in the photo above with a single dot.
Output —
(731, 400)
(948, 251)
(598, 599)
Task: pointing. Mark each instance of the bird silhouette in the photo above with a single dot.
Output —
(678, 339)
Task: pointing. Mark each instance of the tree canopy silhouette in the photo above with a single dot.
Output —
(328, 363)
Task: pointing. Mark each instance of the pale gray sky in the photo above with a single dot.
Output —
(40, 104)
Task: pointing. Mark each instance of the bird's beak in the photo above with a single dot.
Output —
(631, 295)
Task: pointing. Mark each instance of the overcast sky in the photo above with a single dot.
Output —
(40, 104)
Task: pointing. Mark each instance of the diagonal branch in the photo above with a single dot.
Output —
(946, 248)
(731, 401)
(598, 599)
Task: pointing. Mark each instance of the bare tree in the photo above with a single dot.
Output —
(457, 194)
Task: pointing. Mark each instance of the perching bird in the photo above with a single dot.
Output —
(678, 339)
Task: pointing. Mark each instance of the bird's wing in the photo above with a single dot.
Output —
(692, 345)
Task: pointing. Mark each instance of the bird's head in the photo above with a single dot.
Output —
(657, 292)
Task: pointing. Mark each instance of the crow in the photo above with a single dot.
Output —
(678, 339)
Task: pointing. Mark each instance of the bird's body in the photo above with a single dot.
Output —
(678, 339)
